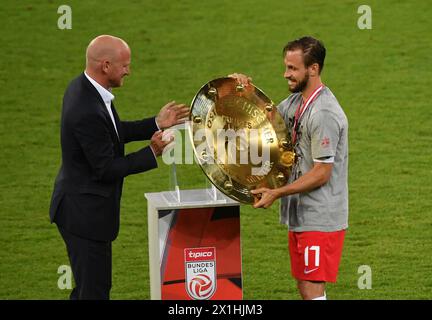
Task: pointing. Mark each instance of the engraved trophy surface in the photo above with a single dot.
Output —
(240, 139)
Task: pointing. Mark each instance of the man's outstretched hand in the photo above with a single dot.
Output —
(266, 197)
(241, 78)
(158, 142)
(172, 114)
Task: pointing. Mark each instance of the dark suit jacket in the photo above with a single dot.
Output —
(88, 187)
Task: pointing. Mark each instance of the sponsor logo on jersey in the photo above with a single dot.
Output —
(325, 142)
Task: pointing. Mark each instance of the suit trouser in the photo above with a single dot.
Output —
(91, 263)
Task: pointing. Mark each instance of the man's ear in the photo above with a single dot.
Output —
(105, 65)
(314, 70)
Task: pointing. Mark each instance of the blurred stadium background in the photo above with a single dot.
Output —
(380, 76)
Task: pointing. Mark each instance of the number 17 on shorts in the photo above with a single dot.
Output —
(315, 256)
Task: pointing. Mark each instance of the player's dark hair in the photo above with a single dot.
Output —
(313, 50)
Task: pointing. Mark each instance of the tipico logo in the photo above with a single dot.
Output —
(200, 272)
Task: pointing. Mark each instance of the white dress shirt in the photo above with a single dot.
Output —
(107, 97)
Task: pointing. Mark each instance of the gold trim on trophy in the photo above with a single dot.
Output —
(243, 143)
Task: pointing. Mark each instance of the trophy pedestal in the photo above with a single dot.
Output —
(194, 245)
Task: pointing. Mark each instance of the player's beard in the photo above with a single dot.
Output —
(301, 84)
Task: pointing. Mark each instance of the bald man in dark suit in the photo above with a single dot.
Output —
(85, 203)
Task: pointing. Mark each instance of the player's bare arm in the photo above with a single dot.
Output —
(313, 179)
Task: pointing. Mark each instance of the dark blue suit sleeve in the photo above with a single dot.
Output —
(94, 138)
(138, 130)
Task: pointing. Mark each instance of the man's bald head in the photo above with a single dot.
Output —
(105, 56)
(105, 47)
